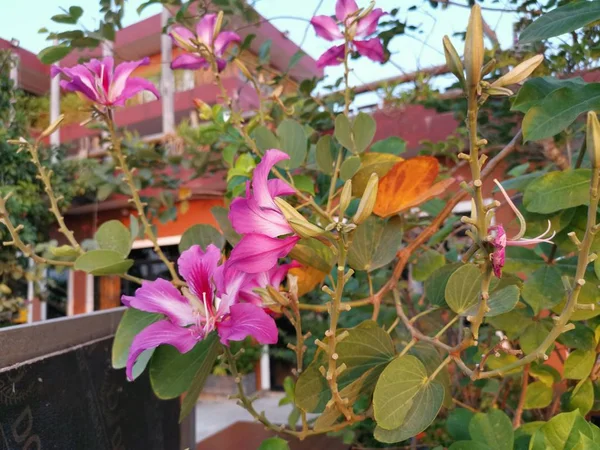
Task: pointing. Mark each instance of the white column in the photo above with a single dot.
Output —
(167, 82)
(265, 369)
(30, 293)
(55, 108)
(14, 70)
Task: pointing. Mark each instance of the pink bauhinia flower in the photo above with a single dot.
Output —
(104, 84)
(203, 42)
(500, 241)
(210, 303)
(260, 220)
(273, 277)
(346, 13)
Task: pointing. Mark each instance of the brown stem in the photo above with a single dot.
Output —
(519, 411)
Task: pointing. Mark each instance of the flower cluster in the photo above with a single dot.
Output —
(354, 27)
(222, 297)
(102, 83)
(206, 41)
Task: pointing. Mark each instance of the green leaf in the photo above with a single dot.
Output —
(500, 302)
(564, 432)
(375, 243)
(556, 191)
(463, 288)
(265, 139)
(589, 295)
(512, 323)
(579, 364)
(379, 163)
(431, 359)
(582, 397)
(536, 89)
(435, 285)
(293, 142)
(53, 54)
(559, 110)
(404, 402)
(313, 253)
(457, 424)
(304, 183)
(274, 443)
(324, 155)
(597, 268)
(493, 429)
(349, 167)
(132, 323)
(264, 52)
(396, 389)
(538, 395)
(543, 289)
(366, 348)
(202, 373)
(392, 145)
(520, 259)
(582, 337)
(428, 262)
(343, 131)
(221, 215)
(113, 235)
(172, 373)
(363, 130)
(534, 335)
(103, 262)
(561, 20)
(545, 374)
(202, 235)
(469, 445)
(295, 59)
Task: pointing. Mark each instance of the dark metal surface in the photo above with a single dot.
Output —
(23, 343)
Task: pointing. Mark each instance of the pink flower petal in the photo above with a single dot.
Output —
(205, 29)
(197, 268)
(247, 217)
(121, 75)
(162, 332)
(334, 56)
(133, 86)
(343, 8)
(368, 25)
(189, 62)
(258, 253)
(326, 28)
(260, 185)
(183, 33)
(224, 40)
(371, 48)
(279, 187)
(247, 320)
(160, 296)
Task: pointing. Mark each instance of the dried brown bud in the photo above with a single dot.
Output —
(593, 139)
(474, 48)
(52, 128)
(453, 60)
(367, 202)
(345, 197)
(519, 72)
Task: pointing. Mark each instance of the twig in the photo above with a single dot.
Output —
(519, 411)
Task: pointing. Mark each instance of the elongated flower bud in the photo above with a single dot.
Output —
(345, 197)
(474, 48)
(367, 202)
(218, 24)
(297, 221)
(593, 139)
(288, 211)
(453, 60)
(519, 72)
(53, 127)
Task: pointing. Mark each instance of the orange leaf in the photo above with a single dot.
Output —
(408, 184)
(308, 278)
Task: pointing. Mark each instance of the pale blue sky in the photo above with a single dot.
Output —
(22, 20)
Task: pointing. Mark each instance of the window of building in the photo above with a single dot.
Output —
(57, 292)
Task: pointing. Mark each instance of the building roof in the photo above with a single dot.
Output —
(34, 76)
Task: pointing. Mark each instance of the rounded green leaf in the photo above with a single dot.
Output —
(132, 323)
(363, 131)
(579, 364)
(396, 389)
(324, 155)
(543, 289)
(463, 290)
(103, 262)
(582, 397)
(113, 235)
(313, 253)
(53, 54)
(556, 191)
(538, 395)
(292, 138)
(265, 139)
(349, 167)
(469, 445)
(343, 131)
(375, 243)
(172, 373)
(435, 285)
(534, 335)
(564, 431)
(202, 235)
(426, 263)
(457, 424)
(500, 302)
(274, 443)
(392, 145)
(493, 429)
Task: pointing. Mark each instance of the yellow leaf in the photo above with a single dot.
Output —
(308, 278)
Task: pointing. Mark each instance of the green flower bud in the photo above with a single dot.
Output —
(367, 202)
